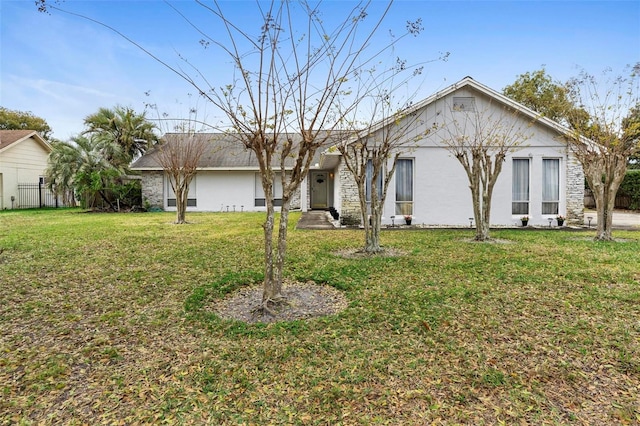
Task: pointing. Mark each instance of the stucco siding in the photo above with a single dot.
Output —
(222, 191)
(214, 191)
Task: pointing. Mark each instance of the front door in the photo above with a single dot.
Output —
(319, 190)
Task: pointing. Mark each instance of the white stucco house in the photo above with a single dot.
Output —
(23, 160)
(540, 179)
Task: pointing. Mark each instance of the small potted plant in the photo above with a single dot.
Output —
(524, 220)
(560, 219)
(408, 218)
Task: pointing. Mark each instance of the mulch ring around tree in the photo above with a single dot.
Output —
(361, 254)
(303, 301)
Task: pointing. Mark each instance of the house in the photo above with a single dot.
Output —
(228, 178)
(23, 160)
(540, 179)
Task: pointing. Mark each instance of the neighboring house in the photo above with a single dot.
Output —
(23, 160)
(540, 179)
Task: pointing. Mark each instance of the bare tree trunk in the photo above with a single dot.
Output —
(370, 222)
(604, 192)
(482, 226)
(106, 200)
(605, 215)
(181, 204)
(282, 247)
(270, 289)
(481, 203)
(372, 240)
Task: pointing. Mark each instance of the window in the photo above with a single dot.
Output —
(369, 178)
(191, 197)
(520, 189)
(404, 186)
(260, 200)
(466, 103)
(550, 185)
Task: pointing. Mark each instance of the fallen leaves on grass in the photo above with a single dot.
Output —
(96, 327)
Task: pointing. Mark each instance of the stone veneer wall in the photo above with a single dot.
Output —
(307, 182)
(575, 190)
(153, 188)
(350, 214)
(295, 200)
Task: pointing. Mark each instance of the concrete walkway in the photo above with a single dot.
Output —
(315, 219)
(622, 219)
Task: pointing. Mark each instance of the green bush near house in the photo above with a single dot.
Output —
(630, 186)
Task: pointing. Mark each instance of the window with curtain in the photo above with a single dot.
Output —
(171, 196)
(550, 185)
(260, 200)
(404, 186)
(520, 186)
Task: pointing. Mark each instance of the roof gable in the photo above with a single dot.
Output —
(466, 85)
(470, 83)
(10, 138)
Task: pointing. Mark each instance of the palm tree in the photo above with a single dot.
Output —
(61, 170)
(132, 131)
(84, 166)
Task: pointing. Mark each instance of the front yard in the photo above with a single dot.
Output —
(106, 318)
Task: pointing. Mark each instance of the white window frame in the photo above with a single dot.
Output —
(517, 200)
(405, 207)
(550, 206)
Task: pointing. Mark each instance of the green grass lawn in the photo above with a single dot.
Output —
(104, 319)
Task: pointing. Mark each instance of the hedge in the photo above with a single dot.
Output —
(630, 186)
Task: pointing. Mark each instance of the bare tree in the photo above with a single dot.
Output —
(281, 104)
(605, 138)
(179, 154)
(480, 138)
(371, 154)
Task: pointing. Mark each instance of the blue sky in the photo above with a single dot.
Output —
(63, 68)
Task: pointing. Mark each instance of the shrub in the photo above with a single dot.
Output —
(630, 187)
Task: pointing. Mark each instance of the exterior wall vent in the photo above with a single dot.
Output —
(466, 103)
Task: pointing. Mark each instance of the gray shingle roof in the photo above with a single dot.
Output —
(9, 137)
(225, 151)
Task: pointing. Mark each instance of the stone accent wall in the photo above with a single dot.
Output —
(307, 182)
(153, 188)
(295, 200)
(350, 214)
(575, 191)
